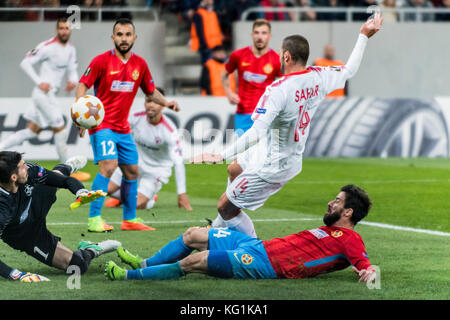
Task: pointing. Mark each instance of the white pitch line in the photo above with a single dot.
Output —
(367, 223)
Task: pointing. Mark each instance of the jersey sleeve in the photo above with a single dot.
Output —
(269, 105)
(176, 155)
(147, 83)
(5, 217)
(232, 63)
(355, 252)
(92, 72)
(332, 78)
(72, 73)
(39, 54)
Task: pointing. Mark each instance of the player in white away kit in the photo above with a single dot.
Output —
(57, 56)
(283, 114)
(159, 150)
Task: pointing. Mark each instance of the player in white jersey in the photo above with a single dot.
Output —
(283, 114)
(159, 150)
(56, 56)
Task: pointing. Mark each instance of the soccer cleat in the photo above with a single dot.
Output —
(208, 223)
(135, 224)
(97, 224)
(112, 203)
(76, 163)
(81, 176)
(99, 248)
(86, 197)
(114, 272)
(127, 257)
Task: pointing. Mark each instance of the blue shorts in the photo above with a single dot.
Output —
(247, 255)
(109, 145)
(242, 122)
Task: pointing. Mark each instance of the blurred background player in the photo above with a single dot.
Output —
(56, 55)
(257, 66)
(211, 76)
(327, 61)
(159, 150)
(283, 114)
(228, 254)
(117, 75)
(27, 193)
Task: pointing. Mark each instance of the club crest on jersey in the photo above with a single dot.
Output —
(336, 68)
(268, 68)
(135, 75)
(246, 259)
(122, 86)
(337, 233)
(88, 70)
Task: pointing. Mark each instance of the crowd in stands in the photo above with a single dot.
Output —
(55, 14)
(229, 11)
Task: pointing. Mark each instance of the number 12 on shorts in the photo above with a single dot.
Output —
(108, 148)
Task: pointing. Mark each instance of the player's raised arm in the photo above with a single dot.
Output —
(158, 98)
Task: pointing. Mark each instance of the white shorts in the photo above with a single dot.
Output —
(254, 156)
(149, 183)
(44, 111)
(249, 191)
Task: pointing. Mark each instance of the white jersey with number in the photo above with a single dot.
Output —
(287, 107)
(55, 59)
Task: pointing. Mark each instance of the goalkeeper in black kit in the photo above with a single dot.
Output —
(27, 192)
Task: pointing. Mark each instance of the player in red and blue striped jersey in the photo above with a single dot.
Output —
(226, 253)
(116, 76)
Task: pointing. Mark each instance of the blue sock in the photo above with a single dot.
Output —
(173, 251)
(100, 183)
(171, 271)
(128, 196)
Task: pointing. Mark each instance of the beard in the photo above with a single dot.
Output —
(330, 218)
(63, 39)
(124, 51)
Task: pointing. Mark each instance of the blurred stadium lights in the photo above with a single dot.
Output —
(348, 11)
(99, 11)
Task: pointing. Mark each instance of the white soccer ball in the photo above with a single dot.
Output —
(87, 112)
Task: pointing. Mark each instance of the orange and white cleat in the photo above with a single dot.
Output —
(112, 203)
(81, 176)
(135, 224)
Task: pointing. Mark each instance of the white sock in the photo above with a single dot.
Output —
(218, 222)
(150, 204)
(242, 223)
(16, 139)
(61, 144)
(116, 194)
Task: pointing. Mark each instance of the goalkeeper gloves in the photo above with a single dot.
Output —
(26, 276)
(84, 196)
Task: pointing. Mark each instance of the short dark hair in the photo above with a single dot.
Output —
(298, 47)
(123, 21)
(261, 22)
(9, 160)
(61, 19)
(358, 200)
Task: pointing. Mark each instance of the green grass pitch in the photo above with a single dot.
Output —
(412, 193)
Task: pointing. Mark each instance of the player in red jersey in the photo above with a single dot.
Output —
(229, 254)
(257, 66)
(116, 76)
